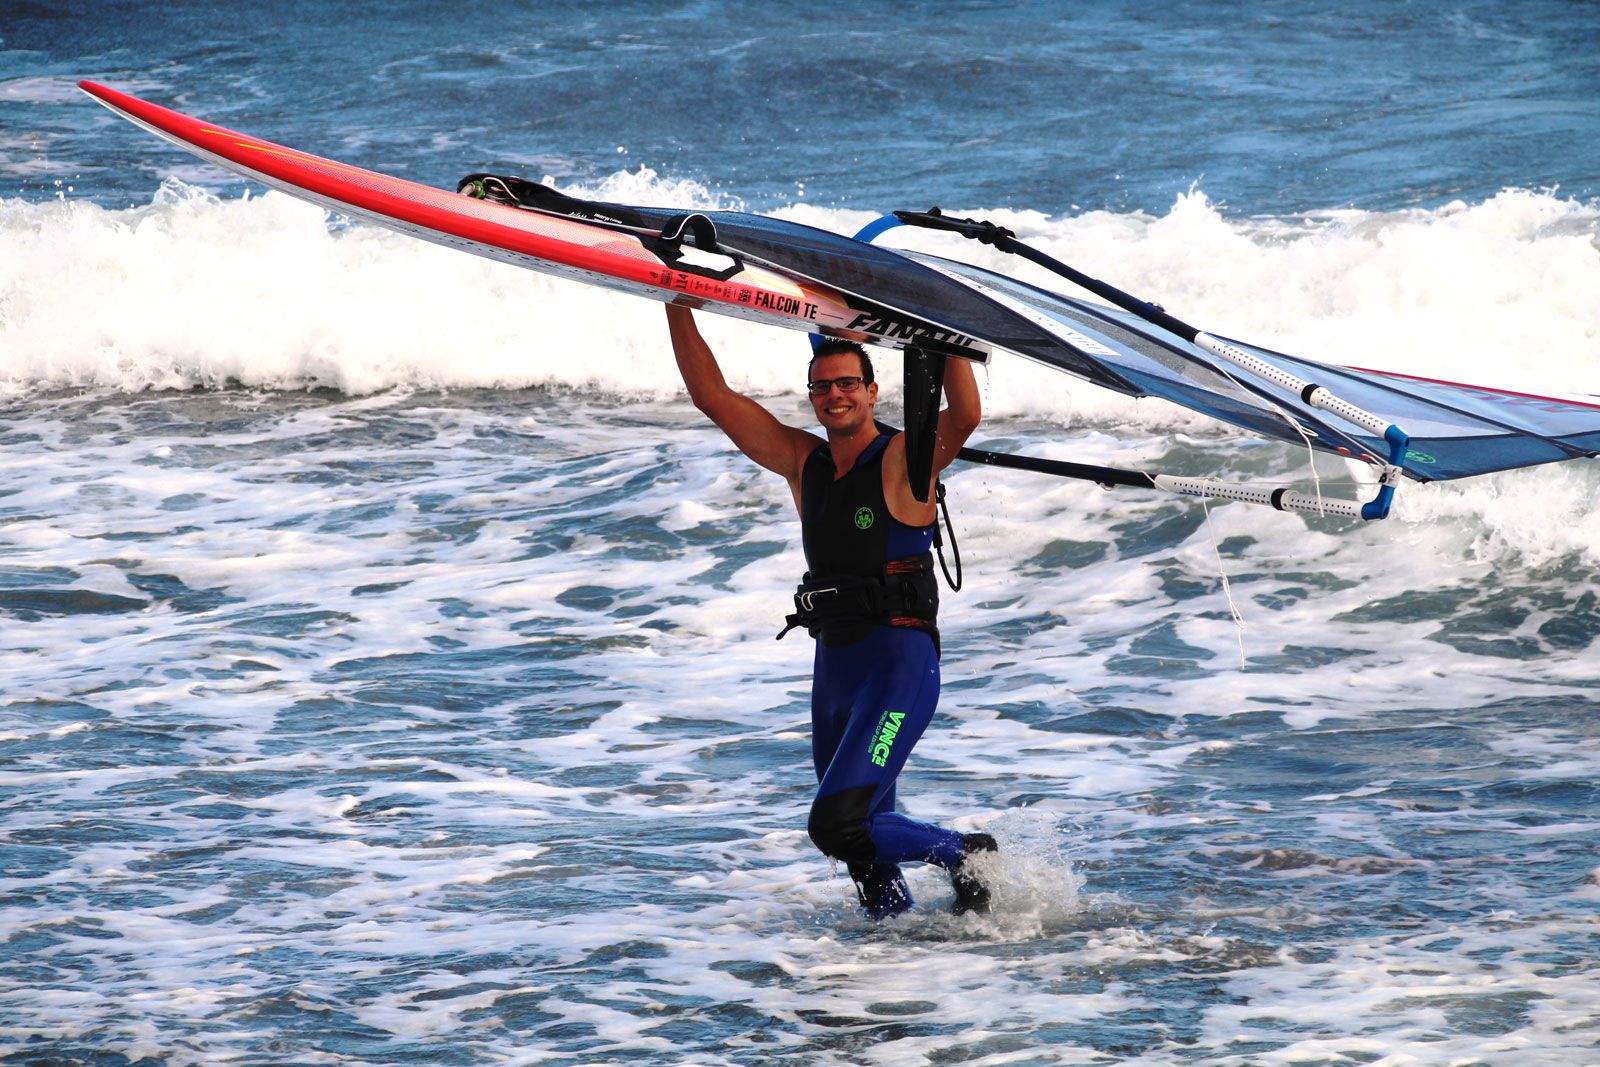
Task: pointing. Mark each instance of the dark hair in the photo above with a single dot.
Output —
(835, 346)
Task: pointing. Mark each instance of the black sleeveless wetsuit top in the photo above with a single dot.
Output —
(847, 532)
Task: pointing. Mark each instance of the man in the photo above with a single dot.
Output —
(870, 596)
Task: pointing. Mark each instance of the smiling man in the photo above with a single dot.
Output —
(870, 598)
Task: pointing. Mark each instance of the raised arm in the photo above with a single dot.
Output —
(962, 411)
(751, 427)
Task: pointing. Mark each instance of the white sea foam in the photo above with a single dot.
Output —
(458, 718)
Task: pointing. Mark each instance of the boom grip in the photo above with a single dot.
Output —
(923, 386)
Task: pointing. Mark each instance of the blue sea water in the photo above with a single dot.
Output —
(386, 671)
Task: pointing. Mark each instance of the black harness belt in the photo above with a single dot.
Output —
(842, 608)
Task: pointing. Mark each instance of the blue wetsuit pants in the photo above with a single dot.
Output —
(871, 700)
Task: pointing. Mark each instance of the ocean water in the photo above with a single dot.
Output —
(386, 659)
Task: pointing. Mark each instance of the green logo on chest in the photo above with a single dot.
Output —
(864, 518)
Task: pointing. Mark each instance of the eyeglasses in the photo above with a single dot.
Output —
(821, 386)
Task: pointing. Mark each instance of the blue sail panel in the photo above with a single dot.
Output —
(1163, 365)
(1456, 430)
(1459, 430)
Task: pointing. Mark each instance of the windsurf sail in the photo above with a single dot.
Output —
(1455, 430)
(1423, 429)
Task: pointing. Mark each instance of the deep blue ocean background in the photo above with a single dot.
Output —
(1275, 107)
(386, 671)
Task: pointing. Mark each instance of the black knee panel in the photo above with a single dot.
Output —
(838, 825)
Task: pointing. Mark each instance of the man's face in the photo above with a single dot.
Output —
(839, 411)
